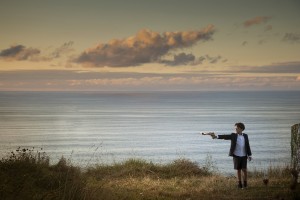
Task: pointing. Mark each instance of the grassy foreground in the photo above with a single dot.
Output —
(28, 174)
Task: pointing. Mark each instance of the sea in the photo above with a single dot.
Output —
(90, 128)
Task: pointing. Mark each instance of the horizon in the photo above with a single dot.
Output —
(141, 91)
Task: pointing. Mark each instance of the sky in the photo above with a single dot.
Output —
(135, 45)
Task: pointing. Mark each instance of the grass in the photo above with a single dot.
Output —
(28, 174)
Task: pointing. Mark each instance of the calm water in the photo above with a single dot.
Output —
(105, 127)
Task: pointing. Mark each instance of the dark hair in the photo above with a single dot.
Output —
(240, 125)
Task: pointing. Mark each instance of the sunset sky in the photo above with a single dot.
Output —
(96, 45)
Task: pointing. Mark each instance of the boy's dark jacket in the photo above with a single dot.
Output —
(233, 138)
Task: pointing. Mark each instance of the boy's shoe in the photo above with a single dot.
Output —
(245, 184)
(240, 186)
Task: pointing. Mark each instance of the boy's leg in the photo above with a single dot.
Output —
(244, 174)
(244, 169)
(239, 175)
(237, 167)
(245, 177)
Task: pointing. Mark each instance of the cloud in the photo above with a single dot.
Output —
(244, 43)
(191, 82)
(275, 68)
(284, 67)
(63, 49)
(190, 59)
(19, 52)
(291, 37)
(77, 80)
(213, 59)
(260, 42)
(268, 27)
(210, 59)
(256, 20)
(145, 47)
(180, 59)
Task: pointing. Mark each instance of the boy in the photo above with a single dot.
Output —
(240, 151)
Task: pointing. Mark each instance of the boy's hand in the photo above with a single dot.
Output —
(213, 136)
(249, 158)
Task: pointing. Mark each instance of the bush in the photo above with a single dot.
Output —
(141, 168)
(184, 168)
(27, 174)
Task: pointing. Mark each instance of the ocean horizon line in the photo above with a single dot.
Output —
(145, 91)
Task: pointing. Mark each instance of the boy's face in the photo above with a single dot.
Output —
(238, 130)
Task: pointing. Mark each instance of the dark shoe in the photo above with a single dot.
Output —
(240, 186)
(245, 184)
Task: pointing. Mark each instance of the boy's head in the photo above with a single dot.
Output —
(240, 125)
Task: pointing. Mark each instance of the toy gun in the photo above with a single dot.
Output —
(212, 134)
(208, 133)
